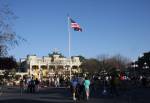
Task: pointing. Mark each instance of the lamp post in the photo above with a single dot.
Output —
(135, 65)
(145, 67)
(104, 87)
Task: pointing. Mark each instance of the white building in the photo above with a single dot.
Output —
(48, 66)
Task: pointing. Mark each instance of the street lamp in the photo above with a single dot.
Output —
(135, 65)
(145, 66)
(104, 87)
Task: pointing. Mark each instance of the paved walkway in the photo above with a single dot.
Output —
(61, 95)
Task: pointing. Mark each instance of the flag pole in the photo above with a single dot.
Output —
(69, 45)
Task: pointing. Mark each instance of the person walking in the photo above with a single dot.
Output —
(32, 83)
(37, 85)
(74, 83)
(113, 85)
(21, 86)
(87, 86)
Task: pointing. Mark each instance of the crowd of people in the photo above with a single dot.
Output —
(83, 87)
(80, 88)
(29, 85)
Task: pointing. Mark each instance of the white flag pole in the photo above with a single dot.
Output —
(69, 35)
(69, 45)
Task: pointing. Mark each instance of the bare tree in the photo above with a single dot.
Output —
(120, 62)
(103, 64)
(8, 38)
(108, 64)
(90, 66)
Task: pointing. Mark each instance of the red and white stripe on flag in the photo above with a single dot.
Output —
(75, 25)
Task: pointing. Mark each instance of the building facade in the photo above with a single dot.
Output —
(49, 66)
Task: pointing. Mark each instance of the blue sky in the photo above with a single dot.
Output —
(109, 27)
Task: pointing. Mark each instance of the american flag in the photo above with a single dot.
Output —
(75, 25)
